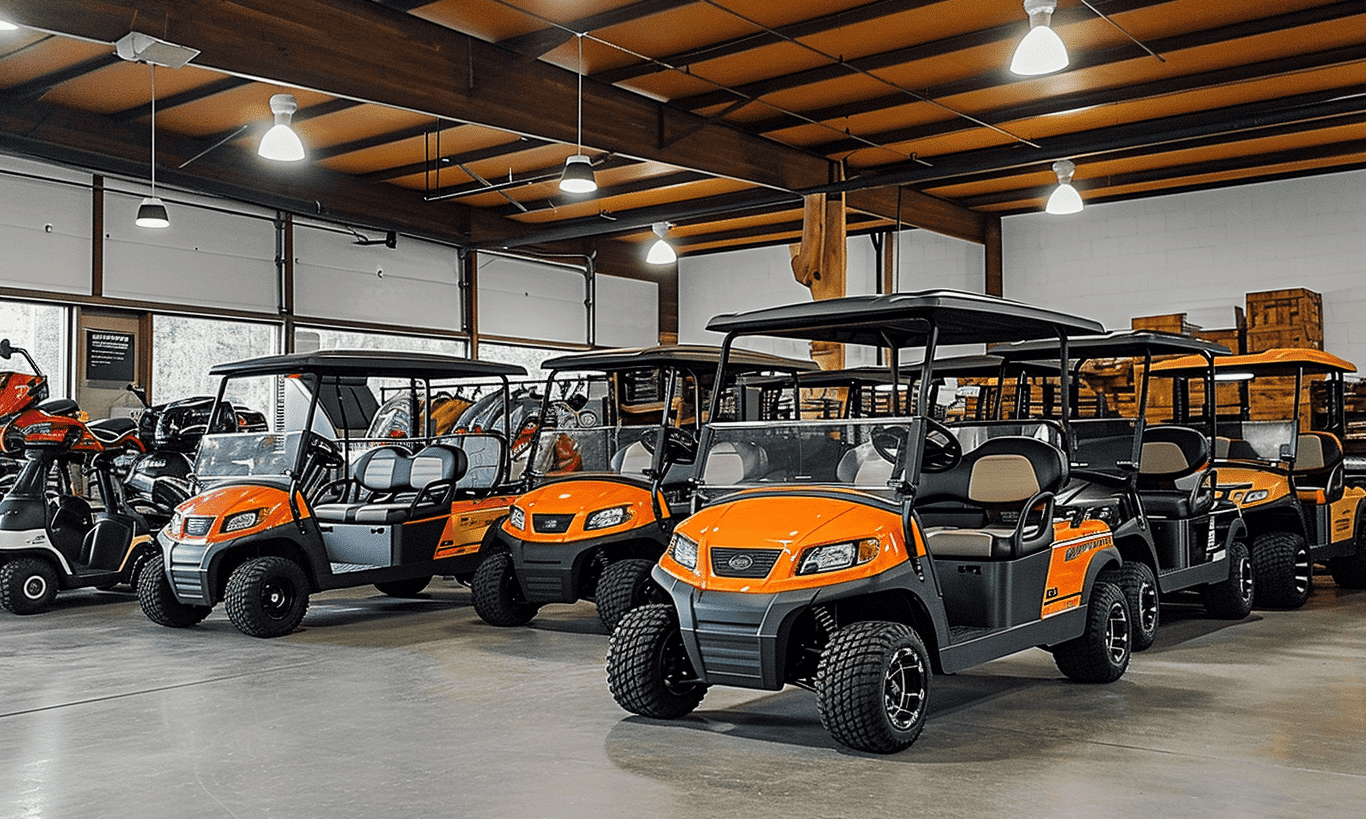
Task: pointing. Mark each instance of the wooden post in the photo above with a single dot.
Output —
(819, 262)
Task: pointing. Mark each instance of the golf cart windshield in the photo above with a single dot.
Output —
(241, 454)
(863, 454)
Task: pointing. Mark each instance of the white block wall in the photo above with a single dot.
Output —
(1199, 253)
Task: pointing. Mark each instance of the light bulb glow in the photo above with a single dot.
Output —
(1040, 52)
(1064, 200)
(152, 214)
(661, 253)
(578, 175)
(6, 25)
(281, 144)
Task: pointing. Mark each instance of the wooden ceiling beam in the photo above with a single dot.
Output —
(453, 160)
(1351, 151)
(40, 85)
(537, 43)
(806, 28)
(646, 183)
(203, 92)
(921, 51)
(1050, 106)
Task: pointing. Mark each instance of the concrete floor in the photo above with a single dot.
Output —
(380, 708)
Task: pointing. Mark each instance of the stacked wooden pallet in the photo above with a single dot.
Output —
(1284, 318)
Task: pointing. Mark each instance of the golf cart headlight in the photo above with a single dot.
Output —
(517, 518)
(607, 518)
(177, 525)
(242, 521)
(684, 551)
(1256, 495)
(835, 556)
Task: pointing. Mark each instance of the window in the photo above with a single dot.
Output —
(42, 330)
(184, 348)
(324, 338)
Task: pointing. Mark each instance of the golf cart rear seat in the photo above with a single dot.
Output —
(1319, 467)
(996, 503)
(1170, 454)
(400, 487)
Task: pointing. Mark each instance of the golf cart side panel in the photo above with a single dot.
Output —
(1334, 524)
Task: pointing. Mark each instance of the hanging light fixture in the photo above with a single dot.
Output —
(1041, 51)
(1064, 199)
(661, 252)
(281, 143)
(578, 169)
(152, 211)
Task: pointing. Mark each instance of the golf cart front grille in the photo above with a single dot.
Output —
(753, 563)
(196, 526)
(551, 524)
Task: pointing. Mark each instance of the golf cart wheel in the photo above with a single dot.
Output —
(1101, 654)
(159, 603)
(1349, 572)
(873, 686)
(498, 597)
(28, 585)
(1231, 599)
(267, 596)
(1283, 569)
(138, 562)
(626, 585)
(648, 669)
(411, 587)
(1139, 585)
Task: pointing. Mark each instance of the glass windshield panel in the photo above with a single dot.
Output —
(245, 454)
(862, 454)
(1269, 441)
(973, 434)
(1105, 444)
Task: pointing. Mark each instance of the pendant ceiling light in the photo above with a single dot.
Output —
(1041, 51)
(661, 252)
(1064, 199)
(578, 169)
(281, 143)
(152, 211)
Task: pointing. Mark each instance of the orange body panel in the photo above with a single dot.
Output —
(1276, 485)
(467, 523)
(791, 523)
(1343, 514)
(582, 496)
(227, 500)
(1072, 551)
(16, 391)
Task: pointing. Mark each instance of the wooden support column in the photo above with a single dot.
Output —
(819, 262)
(991, 236)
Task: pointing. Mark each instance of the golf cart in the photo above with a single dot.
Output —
(335, 493)
(858, 557)
(1288, 480)
(1169, 524)
(609, 477)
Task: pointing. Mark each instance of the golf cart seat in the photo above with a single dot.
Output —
(734, 462)
(634, 460)
(996, 503)
(433, 474)
(382, 472)
(1319, 467)
(1171, 454)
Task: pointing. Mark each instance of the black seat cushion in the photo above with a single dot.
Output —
(1175, 503)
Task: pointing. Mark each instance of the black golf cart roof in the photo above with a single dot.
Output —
(1284, 361)
(674, 355)
(904, 320)
(368, 364)
(1115, 344)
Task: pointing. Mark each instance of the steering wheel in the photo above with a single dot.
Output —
(680, 444)
(326, 451)
(942, 450)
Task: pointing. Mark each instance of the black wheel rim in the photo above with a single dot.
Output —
(1117, 634)
(277, 598)
(903, 689)
(35, 586)
(1302, 570)
(1147, 606)
(1245, 583)
(675, 669)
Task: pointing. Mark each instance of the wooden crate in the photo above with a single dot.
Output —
(1284, 308)
(1170, 323)
(1304, 336)
(1229, 338)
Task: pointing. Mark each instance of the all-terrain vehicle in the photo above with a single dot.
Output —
(606, 492)
(1288, 480)
(1169, 523)
(51, 538)
(857, 557)
(337, 493)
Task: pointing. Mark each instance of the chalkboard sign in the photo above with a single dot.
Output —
(109, 356)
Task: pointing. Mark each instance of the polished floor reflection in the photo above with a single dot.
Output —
(380, 708)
